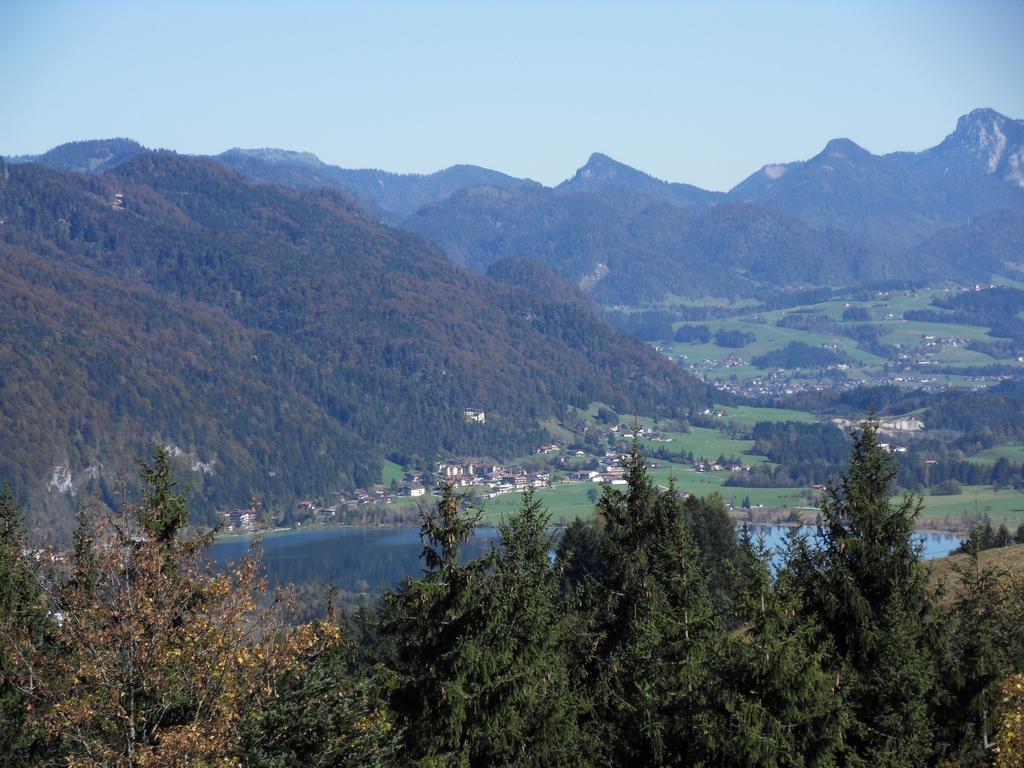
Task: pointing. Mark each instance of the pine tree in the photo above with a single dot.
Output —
(863, 585)
(325, 711)
(434, 626)
(652, 670)
(164, 511)
(783, 708)
(578, 556)
(527, 715)
(23, 627)
(714, 533)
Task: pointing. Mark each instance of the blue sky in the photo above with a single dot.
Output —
(698, 92)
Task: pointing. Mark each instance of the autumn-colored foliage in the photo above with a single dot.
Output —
(154, 658)
(1010, 747)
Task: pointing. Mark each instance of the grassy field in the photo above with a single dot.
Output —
(1005, 506)
(1006, 559)
(748, 416)
(886, 312)
(708, 444)
(992, 455)
(566, 502)
(391, 472)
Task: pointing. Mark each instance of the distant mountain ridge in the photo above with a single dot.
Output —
(844, 214)
(393, 193)
(630, 249)
(94, 157)
(901, 198)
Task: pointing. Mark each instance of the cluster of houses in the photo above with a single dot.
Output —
(495, 477)
(719, 465)
(612, 473)
(484, 476)
(646, 433)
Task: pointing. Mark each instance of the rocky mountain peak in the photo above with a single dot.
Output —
(993, 139)
(600, 166)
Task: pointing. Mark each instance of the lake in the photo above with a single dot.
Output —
(374, 559)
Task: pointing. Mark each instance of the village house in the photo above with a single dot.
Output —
(242, 519)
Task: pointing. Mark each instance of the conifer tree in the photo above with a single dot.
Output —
(164, 511)
(783, 708)
(528, 710)
(435, 625)
(983, 632)
(578, 556)
(23, 626)
(714, 533)
(656, 634)
(325, 711)
(864, 587)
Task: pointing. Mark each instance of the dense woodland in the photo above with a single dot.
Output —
(284, 342)
(654, 638)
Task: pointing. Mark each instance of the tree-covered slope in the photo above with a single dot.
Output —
(992, 244)
(629, 248)
(94, 156)
(394, 194)
(603, 173)
(283, 340)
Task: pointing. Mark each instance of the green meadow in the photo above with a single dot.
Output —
(886, 313)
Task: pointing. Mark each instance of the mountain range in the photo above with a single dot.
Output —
(286, 325)
(283, 342)
(844, 216)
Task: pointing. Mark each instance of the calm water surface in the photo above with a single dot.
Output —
(374, 559)
(352, 559)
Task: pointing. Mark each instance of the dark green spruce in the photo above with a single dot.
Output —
(864, 588)
(656, 636)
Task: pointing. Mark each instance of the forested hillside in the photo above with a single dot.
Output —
(284, 342)
(93, 157)
(630, 248)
